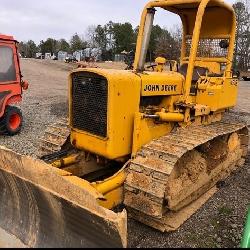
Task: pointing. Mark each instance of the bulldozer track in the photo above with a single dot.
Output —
(55, 136)
(146, 187)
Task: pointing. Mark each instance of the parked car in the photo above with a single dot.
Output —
(246, 75)
(69, 59)
(54, 58)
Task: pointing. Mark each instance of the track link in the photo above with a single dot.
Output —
(54, 138)
(153, 175)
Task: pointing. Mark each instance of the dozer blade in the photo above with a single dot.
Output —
(43, 207)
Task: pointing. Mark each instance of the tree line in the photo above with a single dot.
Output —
(113, 38)
(53, 46)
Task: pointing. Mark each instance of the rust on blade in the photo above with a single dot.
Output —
(42, 208)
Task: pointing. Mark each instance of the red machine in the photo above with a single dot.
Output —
(11, 86)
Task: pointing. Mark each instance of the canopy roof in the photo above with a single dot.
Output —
(218, 20)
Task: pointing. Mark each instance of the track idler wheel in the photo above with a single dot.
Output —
(200, 169)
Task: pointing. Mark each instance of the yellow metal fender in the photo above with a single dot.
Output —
(112, 189)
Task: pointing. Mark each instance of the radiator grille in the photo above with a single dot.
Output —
(89, 103)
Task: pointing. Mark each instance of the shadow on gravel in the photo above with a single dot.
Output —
(59, 109)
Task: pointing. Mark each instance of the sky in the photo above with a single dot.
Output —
(41, 19)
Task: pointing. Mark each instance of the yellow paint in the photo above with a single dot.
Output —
(131, 125)
(146, 130)
(161, 60)
(65, 161)
(124, 89)
(214, 67)
(201, 110)
(161, 84)
(198, 21)
(128, 129)
(113, 198)
(174, 65)
(112, 189)
(170, 117)
(218, 93)
(110, 184)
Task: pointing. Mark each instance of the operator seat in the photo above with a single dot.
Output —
(198, 71)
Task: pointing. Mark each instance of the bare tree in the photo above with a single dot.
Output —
(242, 48)
(91, 35)
(176, 33)
(169, 43)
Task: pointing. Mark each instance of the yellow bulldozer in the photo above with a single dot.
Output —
(150, 144)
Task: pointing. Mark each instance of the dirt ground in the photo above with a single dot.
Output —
(219, 223)
(9, 241)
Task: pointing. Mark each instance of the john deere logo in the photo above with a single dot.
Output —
(163, 87)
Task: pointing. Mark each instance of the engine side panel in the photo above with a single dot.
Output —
(163, 84)
(122, 104)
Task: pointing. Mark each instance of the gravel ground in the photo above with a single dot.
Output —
(219, 223)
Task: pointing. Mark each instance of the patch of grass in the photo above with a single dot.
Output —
(215, 223)
(193, 237)
(206, 242)
(210, 243)
(201, 242)
(225, 211)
